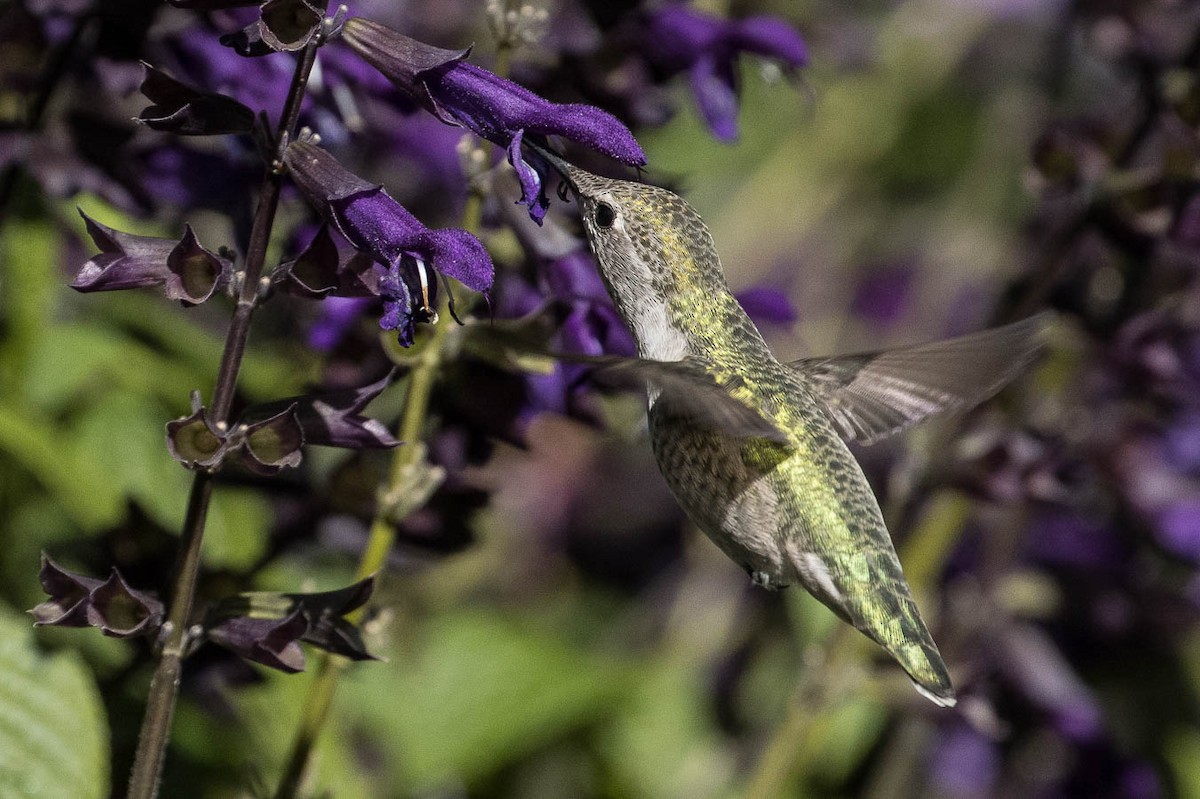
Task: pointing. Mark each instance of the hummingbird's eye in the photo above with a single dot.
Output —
(605, 215)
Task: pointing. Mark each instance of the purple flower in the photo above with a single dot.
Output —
(282, 25)
(112, 605)
(965, 762)
(1179, 527)
(179, 108)
(267, 627)
(678, 39)
(768, 305)
(378, 225)
(265, 445)
(189, 272)
(883, 296)
(496, 109)
(334, 419)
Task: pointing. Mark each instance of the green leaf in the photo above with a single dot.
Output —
(73, 363)
(41, 449)
(53, 732)
(28, 249)
(235, 534)
(480, 691)
(461, 697)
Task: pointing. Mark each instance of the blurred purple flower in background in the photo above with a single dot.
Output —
(677, 38)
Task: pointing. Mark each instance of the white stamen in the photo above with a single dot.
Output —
(423, 276)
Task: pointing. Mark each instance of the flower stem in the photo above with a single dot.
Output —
(411, 429)
(164, 686)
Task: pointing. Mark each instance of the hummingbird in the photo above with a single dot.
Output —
(754, 450)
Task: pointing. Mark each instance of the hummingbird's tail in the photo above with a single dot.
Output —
(906, 638)
(869, 591)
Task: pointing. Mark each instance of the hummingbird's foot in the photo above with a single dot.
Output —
(763, 580)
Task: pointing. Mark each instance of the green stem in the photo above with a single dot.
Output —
(164, 686)
(382, 537)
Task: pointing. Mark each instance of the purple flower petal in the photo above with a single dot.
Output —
(496, 109)
(270, 641)
(533, 195)
(69, 593)
(770, 37)
(181, 109)
(677, 38)
(715, 88)
(1179, 527)
(190, 272)
(492, 107)
(121, 611)
(374, 222)
(334, 419)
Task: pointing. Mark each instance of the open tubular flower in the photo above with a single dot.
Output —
(381, 227)
(492, 107)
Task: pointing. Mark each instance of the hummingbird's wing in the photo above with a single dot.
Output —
(872, 395)
(708, 396)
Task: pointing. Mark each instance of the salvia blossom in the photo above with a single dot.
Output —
(492, 107)
(267, 627)
(187, 271)
(179, 108)
(111, 605)
(282, 25)
(268, 437)
(378, 225)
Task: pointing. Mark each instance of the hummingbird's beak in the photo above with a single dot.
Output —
(567, 170)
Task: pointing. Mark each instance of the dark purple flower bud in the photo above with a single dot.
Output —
(189, 272)
(123, 612)
(181, 109)
(334, 419)
(267, 446)
(273, 642)
(266, 627)
(490, 106)
(284, 25)
(69, 593)
(882, 296)
(327, 628)
(194, 441)
(1068, 156)
(1036, 667)
(677, 38)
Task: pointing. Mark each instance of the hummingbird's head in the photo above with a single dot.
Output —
(649, 244)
